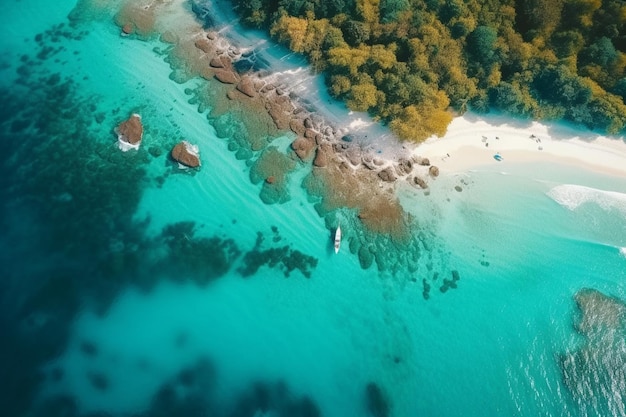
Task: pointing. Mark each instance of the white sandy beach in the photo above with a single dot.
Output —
(473, 140)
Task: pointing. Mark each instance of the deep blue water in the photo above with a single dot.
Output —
(131, 287)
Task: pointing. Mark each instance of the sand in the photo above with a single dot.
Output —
(473, 140)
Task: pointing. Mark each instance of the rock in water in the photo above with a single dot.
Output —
(130, 133)
(377, 403)
(387, 175)
(127, 29)
(303, 147)
(226, 77)
(246, 86)
(186, 154)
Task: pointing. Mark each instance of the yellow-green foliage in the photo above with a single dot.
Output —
(362, 97)
(291, 30)
(413, 63)
(349, 58)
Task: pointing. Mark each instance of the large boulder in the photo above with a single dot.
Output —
(387, 175)
(280, 109)
(353, 153)
(323, 155)
(433, 171)
(296, 125)
(246, 86)
(404, 167)
(423, 161)
(225, 76)
(420, 182)
(303, 147)
(186, 154)
(130, 133)
(204, 45)
(216, 62)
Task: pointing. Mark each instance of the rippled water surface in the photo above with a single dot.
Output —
(132, 287)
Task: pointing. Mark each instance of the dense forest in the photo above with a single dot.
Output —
(414, 63)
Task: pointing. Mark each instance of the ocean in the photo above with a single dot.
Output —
(131, 287)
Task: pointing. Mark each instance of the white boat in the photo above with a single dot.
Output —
(337, 238)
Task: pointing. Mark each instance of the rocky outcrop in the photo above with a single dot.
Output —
(420, 182)
(367, 161)
(246, 86)
(303, 147)
(353, 153)
(323, 155)
(225, 76)
(130, 133)
(216, 62)
(186, 154)
(204, 45)
(280, 109)
(404, 167)
(297, 126)
(387, 175)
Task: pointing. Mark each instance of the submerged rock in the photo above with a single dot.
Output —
(130, 133)
(225, 76)
(303, 147)
(323, 155)
(246, 86)
(377, 403)
(353, 153)
(216, 62)
(204, 45)
(186, 154)
(127, 29)
(596, 367)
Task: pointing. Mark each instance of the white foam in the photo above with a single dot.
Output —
(573, 196)
(126, 146)
(622, 251)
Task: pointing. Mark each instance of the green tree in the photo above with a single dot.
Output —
(481, 45)
(291, 30)
(601, 52)
(362, 97)
(390, 10)
(355, 33)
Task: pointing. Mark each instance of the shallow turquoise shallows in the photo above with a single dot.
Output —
(134, 288)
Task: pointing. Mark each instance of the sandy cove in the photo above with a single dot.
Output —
(473, 140)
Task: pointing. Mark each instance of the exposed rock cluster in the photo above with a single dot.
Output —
(316, 140)
(130, 133)
(186, 154)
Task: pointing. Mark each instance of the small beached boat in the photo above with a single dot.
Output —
(337, 238)
(497, 157)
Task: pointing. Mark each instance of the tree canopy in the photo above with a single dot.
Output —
(414, 63)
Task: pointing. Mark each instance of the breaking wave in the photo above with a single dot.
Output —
(573, 196)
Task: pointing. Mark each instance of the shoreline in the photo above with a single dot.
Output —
(520, 141)
(354, 161)
(470, 143)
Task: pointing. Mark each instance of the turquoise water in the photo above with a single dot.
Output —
(131, 287)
